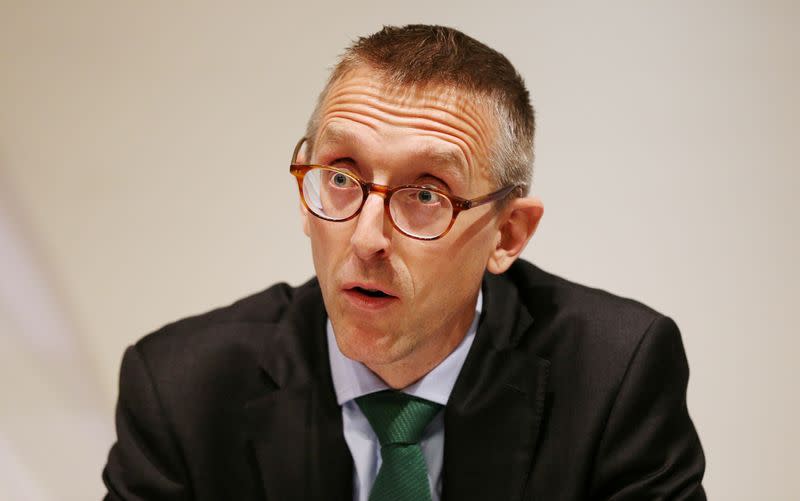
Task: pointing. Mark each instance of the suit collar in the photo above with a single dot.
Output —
(492, 421)
(295, 427)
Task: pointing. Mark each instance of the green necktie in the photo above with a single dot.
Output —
(399, 420)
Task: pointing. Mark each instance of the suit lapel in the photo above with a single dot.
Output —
(493, 416)
(295, 427)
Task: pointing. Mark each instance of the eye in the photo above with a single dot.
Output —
(427, 197)
(340, 180)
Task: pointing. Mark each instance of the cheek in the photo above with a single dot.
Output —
(325, 245)
(305, 216)
(328, 238)
(442, 271)
(453, 267)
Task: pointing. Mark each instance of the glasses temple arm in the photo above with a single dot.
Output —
(491, 197)
(297, 149)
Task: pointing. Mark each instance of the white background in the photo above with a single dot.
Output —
(144, 152)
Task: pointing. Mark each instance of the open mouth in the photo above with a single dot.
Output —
(370, 292)
(369, 296)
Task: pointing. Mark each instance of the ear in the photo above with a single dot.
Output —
(302, 158)
(517, 225)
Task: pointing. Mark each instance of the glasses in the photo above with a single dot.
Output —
(421, 212)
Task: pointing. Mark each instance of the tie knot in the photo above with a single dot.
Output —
(397, 418)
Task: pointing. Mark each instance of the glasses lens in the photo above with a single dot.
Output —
(331, 194)
(421, 213)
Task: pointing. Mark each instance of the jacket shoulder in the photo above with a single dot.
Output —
(613, 364)
(599, 330)
(546, 294)
(260, 309)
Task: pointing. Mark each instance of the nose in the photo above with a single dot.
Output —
(370, 239)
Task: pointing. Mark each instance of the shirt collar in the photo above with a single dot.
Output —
(352, 379)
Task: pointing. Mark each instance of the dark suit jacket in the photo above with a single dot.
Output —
(568, 393)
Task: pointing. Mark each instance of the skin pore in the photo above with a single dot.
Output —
(394, 135)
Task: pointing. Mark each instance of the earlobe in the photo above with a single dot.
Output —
(521, 218)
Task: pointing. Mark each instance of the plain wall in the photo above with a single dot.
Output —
(144, 152)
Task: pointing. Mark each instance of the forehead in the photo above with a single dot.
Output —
(364, 110)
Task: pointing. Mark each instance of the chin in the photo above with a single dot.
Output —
(367, 346)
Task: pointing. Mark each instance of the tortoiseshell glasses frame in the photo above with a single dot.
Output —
(458, 204)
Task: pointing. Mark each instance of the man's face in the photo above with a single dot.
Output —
(391, 136)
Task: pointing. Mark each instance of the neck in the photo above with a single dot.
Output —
(404, 373)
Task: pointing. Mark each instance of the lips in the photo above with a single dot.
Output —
(369, 295)
(369, 289)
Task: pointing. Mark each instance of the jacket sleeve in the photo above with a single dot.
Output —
(650, 449)
(145, 462)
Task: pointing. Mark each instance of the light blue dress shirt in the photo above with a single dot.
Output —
(353, 379)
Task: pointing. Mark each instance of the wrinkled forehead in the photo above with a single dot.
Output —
(448, 123)
(433, 92)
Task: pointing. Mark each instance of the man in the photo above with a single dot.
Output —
(425, 360)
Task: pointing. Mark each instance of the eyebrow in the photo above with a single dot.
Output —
(445, 160)
(334, 134)
(446, 157)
